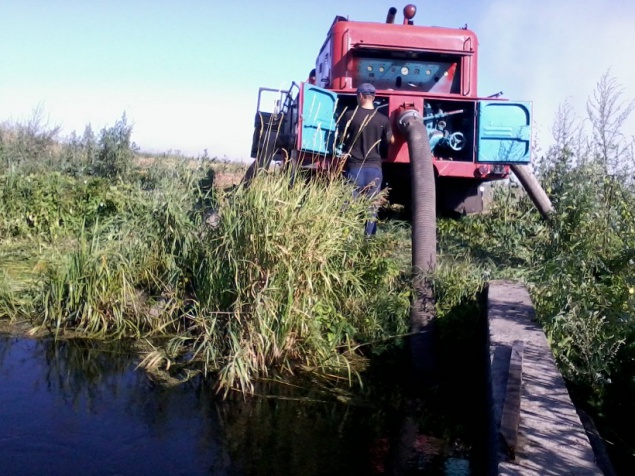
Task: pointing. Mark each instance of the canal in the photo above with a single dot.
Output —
(79, 407)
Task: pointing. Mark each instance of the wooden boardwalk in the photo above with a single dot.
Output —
(535, 428)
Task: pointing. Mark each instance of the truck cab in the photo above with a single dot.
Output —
(473, 139)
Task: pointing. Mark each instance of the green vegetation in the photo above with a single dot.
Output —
(271, 279)
(579, 265)
(235, 283)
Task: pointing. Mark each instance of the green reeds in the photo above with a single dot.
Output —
(278, 279)
(127, 275)
(283, 279)
(287, 278)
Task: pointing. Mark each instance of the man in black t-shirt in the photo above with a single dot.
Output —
(365, 133)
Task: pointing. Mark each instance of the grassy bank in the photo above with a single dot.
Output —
(237, 283)
(271, 279)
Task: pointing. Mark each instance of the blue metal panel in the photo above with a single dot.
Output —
(318, 120)
(504, 132)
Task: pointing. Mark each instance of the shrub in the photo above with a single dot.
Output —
(115, 152)
(28, 146)
(288, 278)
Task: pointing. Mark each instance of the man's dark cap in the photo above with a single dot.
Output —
(366, 88)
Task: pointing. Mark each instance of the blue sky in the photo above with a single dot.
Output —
(186, 73)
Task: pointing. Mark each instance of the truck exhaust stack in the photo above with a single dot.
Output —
(390, 18)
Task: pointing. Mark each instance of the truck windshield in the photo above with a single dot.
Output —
(407, 70)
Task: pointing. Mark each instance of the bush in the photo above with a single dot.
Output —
(28, 146)
(115, 152)
(287, 277)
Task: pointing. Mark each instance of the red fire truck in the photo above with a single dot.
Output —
(432, 70)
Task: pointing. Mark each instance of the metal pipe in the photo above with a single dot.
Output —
(533, 189)
(390, 18)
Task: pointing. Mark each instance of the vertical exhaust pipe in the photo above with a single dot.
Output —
(390, 18)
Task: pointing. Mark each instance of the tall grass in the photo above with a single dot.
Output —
(287, 278)
(282, 279)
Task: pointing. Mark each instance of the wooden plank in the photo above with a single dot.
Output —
(510, 418)
(550, 438)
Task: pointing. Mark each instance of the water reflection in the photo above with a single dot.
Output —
(77, 407)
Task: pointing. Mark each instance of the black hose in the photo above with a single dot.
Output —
(424, 244)
(533, 189)
(424, 225)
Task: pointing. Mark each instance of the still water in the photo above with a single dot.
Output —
(74, 407)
